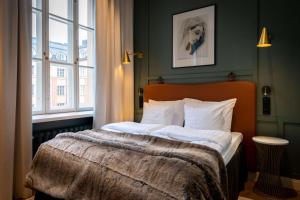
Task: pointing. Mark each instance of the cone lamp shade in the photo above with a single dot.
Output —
(126, 59)
(264, 39)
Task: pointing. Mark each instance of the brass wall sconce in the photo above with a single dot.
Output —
(126, 58)
(264, 40)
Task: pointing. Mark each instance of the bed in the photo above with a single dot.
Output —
(242, 158)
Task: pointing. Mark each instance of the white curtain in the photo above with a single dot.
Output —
(15, 97)
(114, 83)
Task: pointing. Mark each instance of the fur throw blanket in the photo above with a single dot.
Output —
(107, 165)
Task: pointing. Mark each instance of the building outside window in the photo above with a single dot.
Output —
(61, 68)
(60, 73)
(81, 90)
(60, 90)
(83, 72)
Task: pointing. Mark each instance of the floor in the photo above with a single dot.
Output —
(248, 194)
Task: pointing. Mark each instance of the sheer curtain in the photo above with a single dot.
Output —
(15, 97)
(114, 82)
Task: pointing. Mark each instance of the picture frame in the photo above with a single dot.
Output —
(194, 38)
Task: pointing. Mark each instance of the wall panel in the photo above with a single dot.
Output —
(237, 28)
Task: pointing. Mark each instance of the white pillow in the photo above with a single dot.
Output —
(157, 114)
(178, 107)
(209, 115)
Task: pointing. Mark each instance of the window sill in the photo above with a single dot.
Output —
(61, 116)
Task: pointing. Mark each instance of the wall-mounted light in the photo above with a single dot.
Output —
(160, 80)
(266, 91)
(126, 58)
(264, 39)
(141, 97)
(231, 76)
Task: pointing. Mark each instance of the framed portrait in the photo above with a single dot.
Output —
(194, 38)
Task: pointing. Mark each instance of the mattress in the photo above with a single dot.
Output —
(138, 128)
(237, 138)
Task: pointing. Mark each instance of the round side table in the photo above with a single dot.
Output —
(270, 150)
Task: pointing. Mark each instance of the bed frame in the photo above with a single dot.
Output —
(244, 121)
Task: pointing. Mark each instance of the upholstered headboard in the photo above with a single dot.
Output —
(244, 115)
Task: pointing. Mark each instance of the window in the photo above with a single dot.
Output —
(60, 90)
(63, 55)
(59, 57)
(82, 72)
(60, 73)
(81, 90)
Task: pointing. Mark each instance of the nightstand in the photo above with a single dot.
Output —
(269, 151)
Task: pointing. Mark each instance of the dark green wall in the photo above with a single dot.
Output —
(237, 25)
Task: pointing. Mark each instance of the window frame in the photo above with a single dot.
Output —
(46, 60)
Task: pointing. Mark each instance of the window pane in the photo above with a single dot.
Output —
(86, 13)
(60, 41)
(37, 4)
(61, 87)
(86, 47)
(36, 86)
(86, 87)
(62, 8)
(36, 34)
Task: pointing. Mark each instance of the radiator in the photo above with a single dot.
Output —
(45, 131)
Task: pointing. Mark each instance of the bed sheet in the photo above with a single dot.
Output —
(227, 151)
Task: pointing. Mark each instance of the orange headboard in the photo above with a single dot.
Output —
(244, 114)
